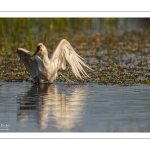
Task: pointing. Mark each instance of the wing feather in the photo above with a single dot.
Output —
(63, 52)
(80, 67)
(63, 62)
(34, 67)
(74, 67)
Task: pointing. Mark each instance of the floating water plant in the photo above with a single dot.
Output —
(116, 59)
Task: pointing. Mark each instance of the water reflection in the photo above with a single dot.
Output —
(50, 105)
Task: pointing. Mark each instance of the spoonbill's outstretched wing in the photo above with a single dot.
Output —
(65, 51)
(34, 67)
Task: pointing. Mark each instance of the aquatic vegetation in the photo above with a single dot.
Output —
(121, 59)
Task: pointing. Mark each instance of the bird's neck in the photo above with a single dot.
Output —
(45, 59)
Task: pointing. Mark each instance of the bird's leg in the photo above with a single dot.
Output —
(69, 81)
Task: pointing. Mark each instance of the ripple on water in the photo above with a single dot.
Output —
(90, 107)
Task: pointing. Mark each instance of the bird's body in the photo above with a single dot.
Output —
(46, 69)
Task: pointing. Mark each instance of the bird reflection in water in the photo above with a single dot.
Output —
(49, 105)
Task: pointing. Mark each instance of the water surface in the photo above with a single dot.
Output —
(57, 107)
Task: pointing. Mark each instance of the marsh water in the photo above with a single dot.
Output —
(116, 97)
(57, 107)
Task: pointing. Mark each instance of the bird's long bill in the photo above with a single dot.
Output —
(33, 56)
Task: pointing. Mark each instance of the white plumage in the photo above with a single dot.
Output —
(46, 69)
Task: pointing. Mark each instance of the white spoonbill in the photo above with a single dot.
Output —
(43, 70)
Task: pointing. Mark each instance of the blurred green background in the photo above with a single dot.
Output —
(27, 32)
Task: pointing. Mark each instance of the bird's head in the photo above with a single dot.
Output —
(40, 47)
